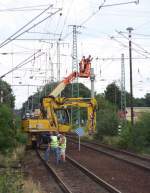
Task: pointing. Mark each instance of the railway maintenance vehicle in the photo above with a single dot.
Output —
(54, 112)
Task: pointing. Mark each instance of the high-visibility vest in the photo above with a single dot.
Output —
(33, 138)
(63, 143)
(54, 141)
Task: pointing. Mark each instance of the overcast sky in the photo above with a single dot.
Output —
(98, 36)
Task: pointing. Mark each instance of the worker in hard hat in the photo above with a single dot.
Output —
(82, 64)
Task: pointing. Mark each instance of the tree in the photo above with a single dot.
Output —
(113, 94)
(6, 92)
(34, 100)
(137, 137)
(7, 130)
(107, 120)
(139, 102)
(147, 99)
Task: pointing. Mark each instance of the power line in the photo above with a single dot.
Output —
(99, 8)
(65, 20)
(46, 33)
(117, 58)
(93, 14)
(26, 61)
(124, 45)
(25, 8)
(116, 4)
(8, 40)
(145, 51)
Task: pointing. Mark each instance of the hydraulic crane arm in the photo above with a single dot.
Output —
(84, 72)
(61, 86)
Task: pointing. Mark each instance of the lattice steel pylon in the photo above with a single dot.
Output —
(75, 85)
(123, 92)
(58, 61)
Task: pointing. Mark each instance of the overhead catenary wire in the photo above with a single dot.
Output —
(99, 8)
(83, 22)
(27, 60)
(126, 46)
(93, 14)
(14, 36)
(65, 20)
(44, 33)
(107, 5)
(25, 8)
(117, 4)
(9, 38)
(140, 47)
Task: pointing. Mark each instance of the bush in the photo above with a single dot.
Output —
(7, 130)
(136, 138)
(107, 123)
(21, 137)
(11, 182)
(126, 136)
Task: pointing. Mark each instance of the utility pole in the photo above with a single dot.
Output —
(123, 93)
(130, 29)
(58, 61)
(92, 78)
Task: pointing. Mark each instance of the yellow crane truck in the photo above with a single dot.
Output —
(54, 116)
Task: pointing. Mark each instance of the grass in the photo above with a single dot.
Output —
(12, 158)
(12, 180)
(30, 187)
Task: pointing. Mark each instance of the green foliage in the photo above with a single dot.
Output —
(111, 140)
(107, 120)
(126, 136)
(113, 94)
(11, 182)
(83, 91)
(8, 97)
(34, 100)
(139, 102)
(7, 131)
(143, 127)
(136, 138)
(147, 99)
(20, 137)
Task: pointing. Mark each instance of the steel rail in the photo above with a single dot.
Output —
(112, 155)
(95, 178)
(91, 175)
(114, 149)
(60, 183)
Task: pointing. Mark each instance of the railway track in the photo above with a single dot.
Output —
(36, 171)
(72, 177)
(123, 175)
(131, 158)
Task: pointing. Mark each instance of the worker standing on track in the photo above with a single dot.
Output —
(53, 148)
(62, 146)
